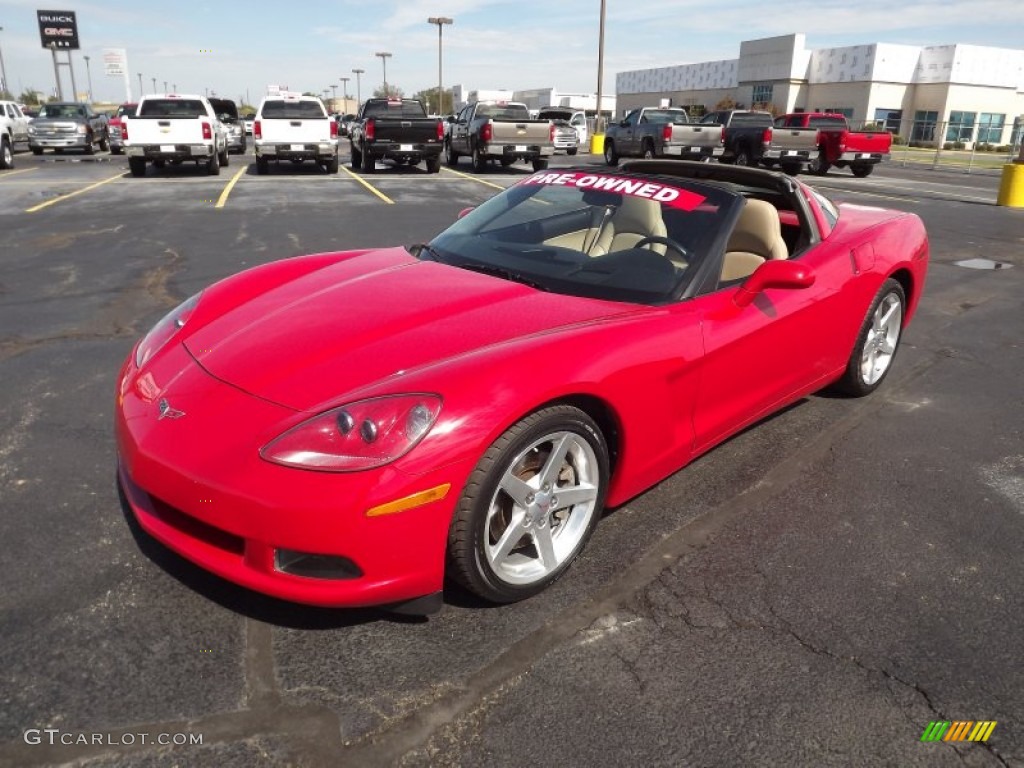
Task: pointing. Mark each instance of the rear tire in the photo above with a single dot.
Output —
(648, 150)
(366, 163)
(223, 158)
(611, 157)
(213, 165)
(137, 165)
(877, 342)
(117, 150)
(433, 164)
(262, 166)
(861, 171)
(331, 166)
(356, 156)
(791, 169)
(540, 164)
(479, 160)
(742, 157)
(6, 155)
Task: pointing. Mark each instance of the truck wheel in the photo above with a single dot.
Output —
(89, 148)
(213, 165)
(37, 150)
(648, 152)
(223, 158)
(104, 144)
(434, 164)
(818, 165)
(450, 155)
(366, 165)
(611, 157)
(540, 164)
(791, 169)
(743, 156)
(479, 160)
(506, 161)
(331, 166)
(861, 171)
(357, 156)
(571, 151)
(6, 156)
(137, 165)
(262, 166)
(117, 150)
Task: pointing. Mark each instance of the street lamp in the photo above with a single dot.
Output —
(384, 56)
(165, 87)
(154, 84)
(440, 21)
(334, 88)
(359, 91)
(88, 73)
(140, 85)
(344, 86)
(599, 122)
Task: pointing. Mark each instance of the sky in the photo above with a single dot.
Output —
(236, 49)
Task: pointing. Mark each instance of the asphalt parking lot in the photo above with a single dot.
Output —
(813, 592)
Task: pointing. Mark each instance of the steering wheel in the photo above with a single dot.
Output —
(666, 241)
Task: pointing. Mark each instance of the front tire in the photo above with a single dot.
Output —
(37, 150)
(877, 342)
(571, 152)
(530, 505)
(611, 157)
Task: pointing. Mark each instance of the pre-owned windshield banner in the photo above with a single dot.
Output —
(649, 190)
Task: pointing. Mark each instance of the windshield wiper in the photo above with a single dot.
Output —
(425, 252)
(502, 272)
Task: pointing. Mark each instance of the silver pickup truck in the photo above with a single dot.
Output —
(499, 130)
(68, 125)
(661, 132)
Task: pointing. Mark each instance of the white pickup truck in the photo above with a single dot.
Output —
(13, 129)
(174, 128)
(295, 128)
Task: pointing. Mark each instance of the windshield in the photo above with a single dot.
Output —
(610, 236)
(61, 110)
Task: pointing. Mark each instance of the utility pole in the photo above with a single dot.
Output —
(88, 73)
(344, 86)
(334, 89)
(5, 86)
(140, 85)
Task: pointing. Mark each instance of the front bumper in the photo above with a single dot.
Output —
(196, 483)
(78, 141)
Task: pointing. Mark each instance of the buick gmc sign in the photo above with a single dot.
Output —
(58, 29)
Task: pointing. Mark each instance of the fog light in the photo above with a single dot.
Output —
(315, 566)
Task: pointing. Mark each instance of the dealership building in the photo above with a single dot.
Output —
(938, 93)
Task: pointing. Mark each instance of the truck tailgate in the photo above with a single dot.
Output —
(287, 131)
(521, 132)
(697, 135)
(868, 141)
(165, 130)
(795, 139)
(405, 130)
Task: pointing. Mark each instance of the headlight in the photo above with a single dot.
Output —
(82, 128)
(163, 331)
(32, 129)
(361, 435)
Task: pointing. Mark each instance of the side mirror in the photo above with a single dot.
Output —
(464, 211)
(773, 274)
(451, 118)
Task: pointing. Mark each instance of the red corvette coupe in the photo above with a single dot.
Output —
(346, 429)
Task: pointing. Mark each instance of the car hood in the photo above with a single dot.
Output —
(313, 340)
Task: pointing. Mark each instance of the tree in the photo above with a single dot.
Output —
(429, 98)
(726, 102)
(31, 96)
(393, 92)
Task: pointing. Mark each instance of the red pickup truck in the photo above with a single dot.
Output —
(838, 145)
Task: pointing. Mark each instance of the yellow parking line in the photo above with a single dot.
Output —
(59, 198)
(474, 178)
(369, 186)
(12, 173)
(231, 185)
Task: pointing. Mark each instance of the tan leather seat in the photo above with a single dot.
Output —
(756, 238)
(633, 220)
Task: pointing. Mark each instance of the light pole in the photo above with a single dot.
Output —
(384, 56)
(165, 87)
(359, 91)
(599, 122)
(344, 87)
(3, 73)
(154, 84)
(334, 88)
(140, 85)
(440, 21)
(88, 74)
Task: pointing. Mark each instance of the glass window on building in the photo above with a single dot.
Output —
(846, 112)
(889, 119)
(990, 128)
(924, 126)
(763, 93)
(1018, 131)
(961, 126)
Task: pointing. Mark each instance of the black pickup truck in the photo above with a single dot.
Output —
(398, 130)
(750, 138)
